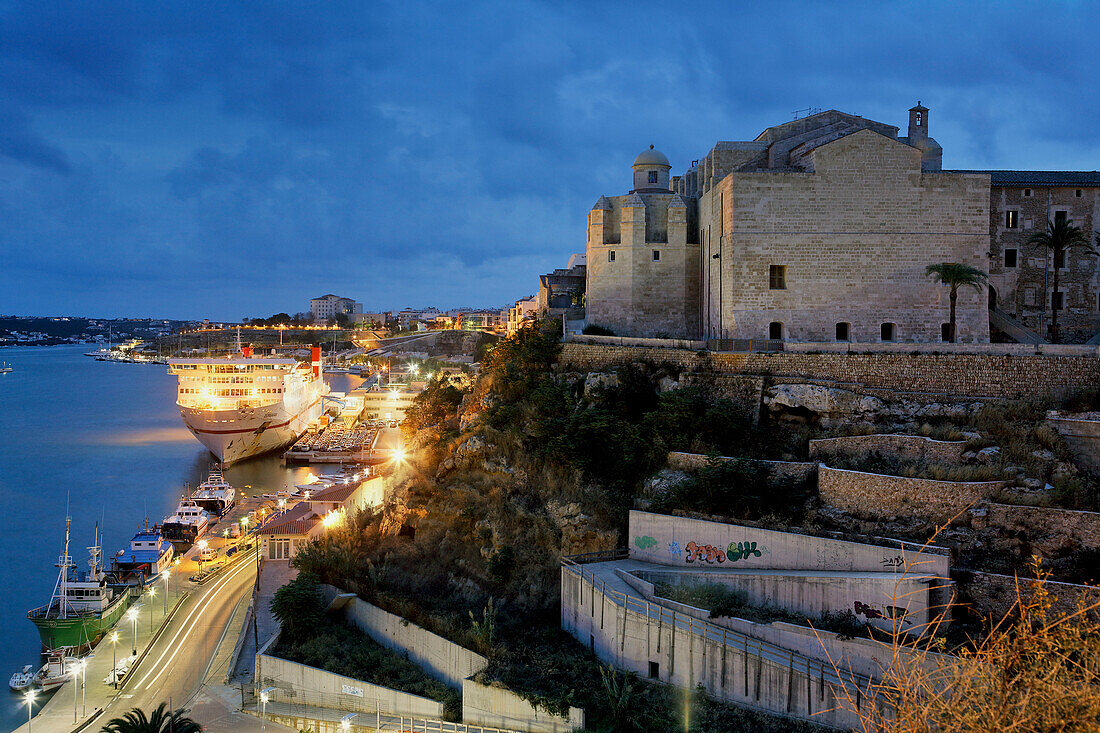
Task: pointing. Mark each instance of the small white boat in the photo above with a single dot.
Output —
(22, 679)
(56, 672)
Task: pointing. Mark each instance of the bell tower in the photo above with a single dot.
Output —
(918, 122)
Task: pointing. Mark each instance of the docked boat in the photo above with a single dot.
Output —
(22, 679)
(58, 669)
(148, 555)
(83, 606)
(6, 368)
(188, 523)
(244, 406)
(215, 495)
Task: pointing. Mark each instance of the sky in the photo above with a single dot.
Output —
(226, 160)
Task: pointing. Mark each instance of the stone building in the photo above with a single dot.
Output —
(820, 229)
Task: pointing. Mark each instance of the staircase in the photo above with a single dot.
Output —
(1014, 329)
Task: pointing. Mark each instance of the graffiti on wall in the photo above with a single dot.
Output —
(644, 543)
(871, 611)
(894, 562)
(694, 552)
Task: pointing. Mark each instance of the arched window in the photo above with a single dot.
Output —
(843, 332)
(775, 330)
(888, 332)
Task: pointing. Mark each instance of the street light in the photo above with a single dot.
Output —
(132, 614)
(113, 638)
(345, 722)
(29, 697)
(263, 706)
(152, 595)
(166, 574)
(202, 546)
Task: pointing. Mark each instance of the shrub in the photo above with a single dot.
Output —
(594, 330)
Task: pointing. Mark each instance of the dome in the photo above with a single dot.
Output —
(652, 157)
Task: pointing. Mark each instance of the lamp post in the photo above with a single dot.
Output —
(84, 687)
(132, 614)
(165, 575)
(202, 546)
(152, 595)
(114, 657)
(345, 722)
(263, 706)
(29, 697)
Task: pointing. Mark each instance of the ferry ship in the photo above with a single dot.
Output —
(215, 495)
(244, 406)
(188, 523)
(83, 606)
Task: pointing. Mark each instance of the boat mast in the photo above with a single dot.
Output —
(61, 587)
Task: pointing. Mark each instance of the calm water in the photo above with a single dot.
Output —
(103, 442)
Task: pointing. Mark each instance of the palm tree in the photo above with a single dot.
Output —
(1059, 237)
(956, 275)
(161, 721)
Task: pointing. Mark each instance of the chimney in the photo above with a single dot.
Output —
(247, 351)
(316, 362)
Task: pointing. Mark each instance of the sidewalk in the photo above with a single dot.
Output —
(57, 712)
(274, 574)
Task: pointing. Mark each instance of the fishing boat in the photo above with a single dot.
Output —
(188, 523)
(22, 679)
(215, 495)
(58, 669)
(83, 606)
(148, 555)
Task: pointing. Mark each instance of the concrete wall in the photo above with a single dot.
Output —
(501, 708)
(964, 375)
(440, 658)
(794, 470)
(311, 686)
(877, 495)
(683, 542)
(909, 447)
(640, 637)
(1082, 435)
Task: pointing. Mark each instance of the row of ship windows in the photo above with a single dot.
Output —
(233, 392)
(241, 380)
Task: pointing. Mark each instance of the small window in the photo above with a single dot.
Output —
(1057, 300)
(1012, 219)
(919, 117)
(1029, 296)
(888, 332)
(775, 330)
(653, 176)
(945, 332)
(777, 277)
(1077, 193)
(656, 255)
(1061, 217)
(1010, 257)
(843, 332)
(610, 255)
(1027, 193)
(654, 670)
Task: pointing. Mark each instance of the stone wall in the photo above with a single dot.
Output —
(992, 596)
(442, 659)
(909, 447)
(1082, 435)
(1054, 528)
(794, 470)
(963, 375)
(498, 707)
(874, 495)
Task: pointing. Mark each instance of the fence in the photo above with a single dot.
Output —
(745, 346)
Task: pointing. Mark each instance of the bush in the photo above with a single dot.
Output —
(594, 330)
(737, 487)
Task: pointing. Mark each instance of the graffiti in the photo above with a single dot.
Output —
(694, 552)
(644, 543)
(893, 562)
(872, 612)
(742, 551)
(704, 553)
(674, 549)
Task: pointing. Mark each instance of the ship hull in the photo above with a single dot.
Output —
(235, 435)
(79, 631)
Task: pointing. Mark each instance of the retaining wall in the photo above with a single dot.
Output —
(981, 375)
(909, 447)
(1059, 526)
(502, 708)
(794, 470)
(440, 658)
(1082, 435)
(877, 495)
(992, 595)
(683, 542)
(311, 686)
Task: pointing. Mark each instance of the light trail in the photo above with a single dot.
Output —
(185, 629)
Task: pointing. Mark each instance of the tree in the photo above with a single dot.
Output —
(299, 606)
(341, 320)
(956, 275)
(160, 721)
(1059, 237)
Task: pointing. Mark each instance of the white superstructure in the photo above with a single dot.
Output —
(241, 406)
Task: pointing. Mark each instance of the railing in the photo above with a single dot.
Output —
(735, 640)
(745, 346)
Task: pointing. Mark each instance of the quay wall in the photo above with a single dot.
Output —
(442, 659)
(902, 368)
(682, 542)
(907, 447)
(877, 495)
(498, 707)
(298, 683)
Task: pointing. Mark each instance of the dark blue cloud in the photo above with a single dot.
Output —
(230, 159)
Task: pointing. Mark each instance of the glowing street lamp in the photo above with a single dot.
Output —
(263, 702)
(202, 546)
(113, 638)
(152, 595)
(345, 722)
(132, 614)
(165, 575)
(29, 697)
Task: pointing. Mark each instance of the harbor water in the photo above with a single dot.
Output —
(103, 443)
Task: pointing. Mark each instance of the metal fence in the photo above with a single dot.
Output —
(745, 346)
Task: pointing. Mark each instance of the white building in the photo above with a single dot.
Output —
(328, 306)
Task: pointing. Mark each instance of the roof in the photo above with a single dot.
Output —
(1040, 178)
(299, 519)
(652, 157)
(338, 493)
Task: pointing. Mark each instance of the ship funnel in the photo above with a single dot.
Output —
(316, 362)
(247, 351)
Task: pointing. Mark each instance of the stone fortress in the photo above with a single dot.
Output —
(820, 230)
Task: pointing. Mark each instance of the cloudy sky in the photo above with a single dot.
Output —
(228, 159)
